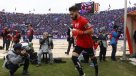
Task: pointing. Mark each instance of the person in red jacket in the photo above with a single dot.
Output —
(16, 37)
(30, 33)
(6, 38)
(95, 45)
(4, 33)
(82, 31)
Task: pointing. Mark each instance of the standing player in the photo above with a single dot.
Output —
(30, 33)
(82, 31)
(6, 38)
(16, 37)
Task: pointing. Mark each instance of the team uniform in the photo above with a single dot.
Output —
(30, 33)
(6, 38)
(16, 37)
(83, 42)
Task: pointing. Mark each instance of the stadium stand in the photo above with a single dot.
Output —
(54, 23)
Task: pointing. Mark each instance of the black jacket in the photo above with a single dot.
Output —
(69, 38)
(135, 36)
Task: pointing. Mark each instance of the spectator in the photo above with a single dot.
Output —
(50, 22)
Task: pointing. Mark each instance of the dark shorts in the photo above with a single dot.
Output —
(30, 38)
(79, 49)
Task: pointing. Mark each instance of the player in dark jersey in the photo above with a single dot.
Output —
(82, 31)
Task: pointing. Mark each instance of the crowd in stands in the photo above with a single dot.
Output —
(54, 23)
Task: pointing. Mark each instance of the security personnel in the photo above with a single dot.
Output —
(70, 40)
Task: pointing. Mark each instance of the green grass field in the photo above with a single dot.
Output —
(108, 68)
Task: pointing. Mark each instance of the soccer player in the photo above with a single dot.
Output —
(82, 31)
(16, 36)
(30, 33)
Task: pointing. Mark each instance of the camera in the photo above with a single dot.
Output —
(28, 47)
(95, 38)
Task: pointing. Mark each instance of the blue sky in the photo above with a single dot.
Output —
(57, 6)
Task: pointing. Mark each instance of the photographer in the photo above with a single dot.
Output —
(46, 44)
(15, 58)
(30, 50)
(114, 36)
(103, 45)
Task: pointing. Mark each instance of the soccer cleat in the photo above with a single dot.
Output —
(82, 75)
(113, 59)
(92, 65)
(25, 73)
(67, 53)
(97, 75)
(75, 68)
(11, 75)
(38, 65)
(51, 61)
(104, 60)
